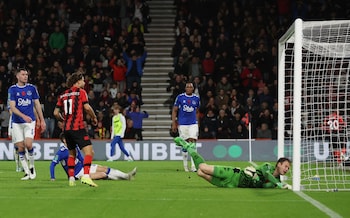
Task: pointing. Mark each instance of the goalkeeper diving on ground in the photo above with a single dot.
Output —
(262, 176)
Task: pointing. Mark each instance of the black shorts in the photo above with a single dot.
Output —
(76, 138)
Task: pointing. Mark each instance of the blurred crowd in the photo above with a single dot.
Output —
(104, 40)
(228, 49)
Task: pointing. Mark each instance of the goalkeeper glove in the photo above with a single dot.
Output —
(284, 186)
(287, 186)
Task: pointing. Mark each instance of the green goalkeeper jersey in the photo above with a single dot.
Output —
(231, 177)
(265, 176)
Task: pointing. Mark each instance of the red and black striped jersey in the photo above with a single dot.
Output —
(72, 103)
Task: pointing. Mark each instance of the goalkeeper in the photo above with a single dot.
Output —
(264, 176)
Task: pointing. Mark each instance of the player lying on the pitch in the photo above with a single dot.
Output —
(96, 171)
(262, 176)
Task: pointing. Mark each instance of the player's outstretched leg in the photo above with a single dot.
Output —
(181, 142)
(132, 173)
(191, 149)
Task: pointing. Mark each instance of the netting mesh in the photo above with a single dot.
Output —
(325, 104)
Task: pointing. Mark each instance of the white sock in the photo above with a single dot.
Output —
(16, 157)
(31, 159)
(193, 167)
(24, 163)
(185, 158)
(117, 174)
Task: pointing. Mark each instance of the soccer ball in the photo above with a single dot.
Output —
(250, 171)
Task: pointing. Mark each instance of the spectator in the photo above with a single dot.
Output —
(95, 41)
(137, 89)
(176, 87)
(134, 67)
(265, 96)
(195, 69)
(101, 132)
(209, 85)
(225, 85)
(236, 107)
(57, 39)
(119, 72)
(4, 120)
(223, 66)
(130, 132)
(250, 77)
(224, 127)
(240, 132)
(266, 117)
(106, 98)
(121, 99)
(113, 90)
(221, 99)
(264, 132)
(182, 68)
(209, 106)
(210, 121)
(49, 107)
(208, 65)
(137, 117)
(134, 98)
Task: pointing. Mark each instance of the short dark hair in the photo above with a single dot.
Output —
(75, 77)
(62, 137)
(20, 69)
(282, 160)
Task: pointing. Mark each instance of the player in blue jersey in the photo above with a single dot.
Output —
(185, 116)
(24, 103)
(96, 171)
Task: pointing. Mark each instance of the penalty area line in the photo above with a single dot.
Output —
(312, 201)
(319, 205)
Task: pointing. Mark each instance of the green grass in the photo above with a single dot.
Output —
(160, 189)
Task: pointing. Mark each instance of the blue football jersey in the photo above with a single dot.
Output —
(188, 105)
(62, 158)
(24, 97)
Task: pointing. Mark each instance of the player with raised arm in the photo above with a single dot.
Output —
(262, 176)
(96, 171)
(70, 108)
(185, 117)
(24, 104)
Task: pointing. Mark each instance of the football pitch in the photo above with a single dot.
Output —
(160, 189)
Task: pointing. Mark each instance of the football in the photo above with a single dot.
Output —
(250, 171)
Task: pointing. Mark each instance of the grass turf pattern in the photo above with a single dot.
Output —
(160, 189)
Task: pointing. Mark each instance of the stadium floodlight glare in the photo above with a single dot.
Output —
(314, 103)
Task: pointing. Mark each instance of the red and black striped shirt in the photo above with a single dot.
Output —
(72, 103)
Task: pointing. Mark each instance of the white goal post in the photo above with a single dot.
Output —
(314, 104)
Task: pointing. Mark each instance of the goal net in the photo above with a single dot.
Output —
(314, 104)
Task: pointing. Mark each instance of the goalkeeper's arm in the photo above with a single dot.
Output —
(265, 169)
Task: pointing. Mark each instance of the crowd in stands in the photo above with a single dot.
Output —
(102, 39)
(228, 49)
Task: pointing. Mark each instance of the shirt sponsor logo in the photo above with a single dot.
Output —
(24, 102)
(187, 108)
